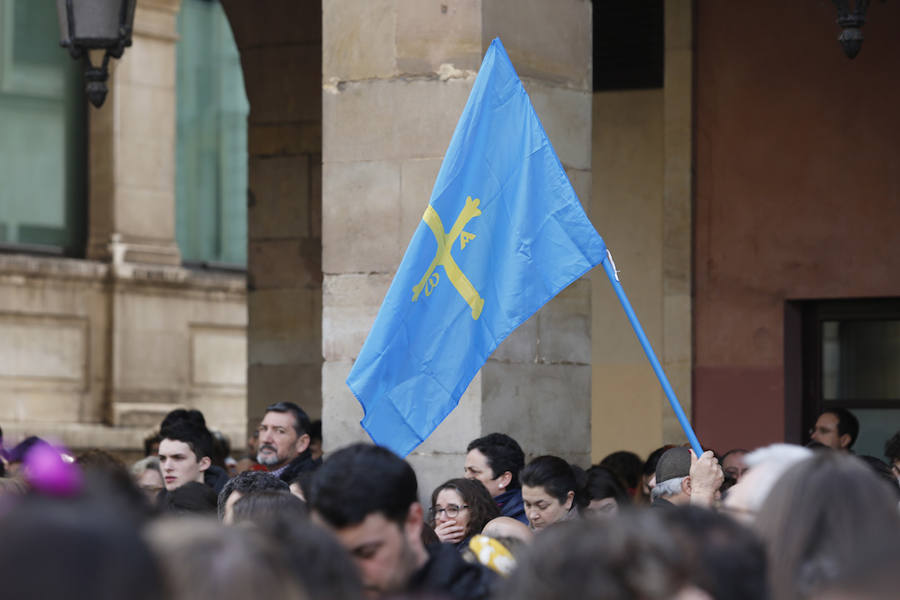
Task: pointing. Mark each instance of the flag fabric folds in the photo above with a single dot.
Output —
(503, 233)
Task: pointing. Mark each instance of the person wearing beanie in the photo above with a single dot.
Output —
(682, 479)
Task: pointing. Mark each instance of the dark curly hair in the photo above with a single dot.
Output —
(482, 507)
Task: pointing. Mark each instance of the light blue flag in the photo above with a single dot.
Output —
(503, 234)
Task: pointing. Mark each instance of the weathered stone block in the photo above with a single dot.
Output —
(285, 326)
(219, 357)
(146, 213)
(284, 263)
(150, 62)
(283, 83)
(546, 407)
(361, 217)
(341, 413)
(280, 188)
(431, 34)
(300, 383)
(351, 305)
(564, 326)
(358, 39)
(545, 40)
(521, 346)
(396, 119)
(271, 139)
(47, 349)
(566, 116)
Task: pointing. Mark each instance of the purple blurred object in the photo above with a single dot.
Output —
(48, 472)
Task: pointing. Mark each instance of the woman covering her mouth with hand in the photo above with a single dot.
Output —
(460, 508)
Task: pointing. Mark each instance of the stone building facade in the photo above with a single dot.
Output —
(351, 106)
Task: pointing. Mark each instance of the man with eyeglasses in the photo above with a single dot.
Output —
(836, 428)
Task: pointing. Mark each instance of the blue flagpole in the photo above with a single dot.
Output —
(610, 268)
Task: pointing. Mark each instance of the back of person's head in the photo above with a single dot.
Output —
(302, 424)
(192, 433)
(201, 559)
(74, 549)
(190, 498)
(883, 470)
(246, 483)
(848, 424)
(557, 477)
(625, 558)
(627, 466)
(503, 454)
(360, 480)
(725, 558)
(316, 557)
(603, 483)
(482, 507)
(765, 467)
(265, 505)
(649, 468)
(105, 476)
(827, 519)
(151, 444)
(221, 448)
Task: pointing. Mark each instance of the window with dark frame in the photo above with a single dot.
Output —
(849, 357)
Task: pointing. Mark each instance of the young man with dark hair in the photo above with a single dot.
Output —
(184, 453)
(368, 496)
(836, 428)
(284, 441)
(495, 460)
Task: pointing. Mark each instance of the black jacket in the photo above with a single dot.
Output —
(303, 462)
(447, 574)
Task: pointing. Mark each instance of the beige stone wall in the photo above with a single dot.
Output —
(642, 206)
(94, 352)
(94, 355)
(396, 75)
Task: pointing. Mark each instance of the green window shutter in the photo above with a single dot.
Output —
(42, 149)
(211, 146)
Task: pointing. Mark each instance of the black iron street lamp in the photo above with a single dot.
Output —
(851, 21)
(86, 25)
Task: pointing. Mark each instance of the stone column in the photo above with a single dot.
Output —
(396, 75)
(132, 150)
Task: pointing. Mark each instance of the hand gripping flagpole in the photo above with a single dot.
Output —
(610, 267)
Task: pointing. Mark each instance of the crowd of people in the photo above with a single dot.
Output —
(188, 521)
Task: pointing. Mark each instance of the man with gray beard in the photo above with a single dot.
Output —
(284, 441)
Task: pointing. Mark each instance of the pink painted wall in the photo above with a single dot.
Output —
(797, 174)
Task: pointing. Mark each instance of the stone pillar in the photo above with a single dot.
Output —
(396, 75)
(132, 150)
(280, 42)
(677, 351)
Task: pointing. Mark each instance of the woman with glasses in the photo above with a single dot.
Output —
(460, 508)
